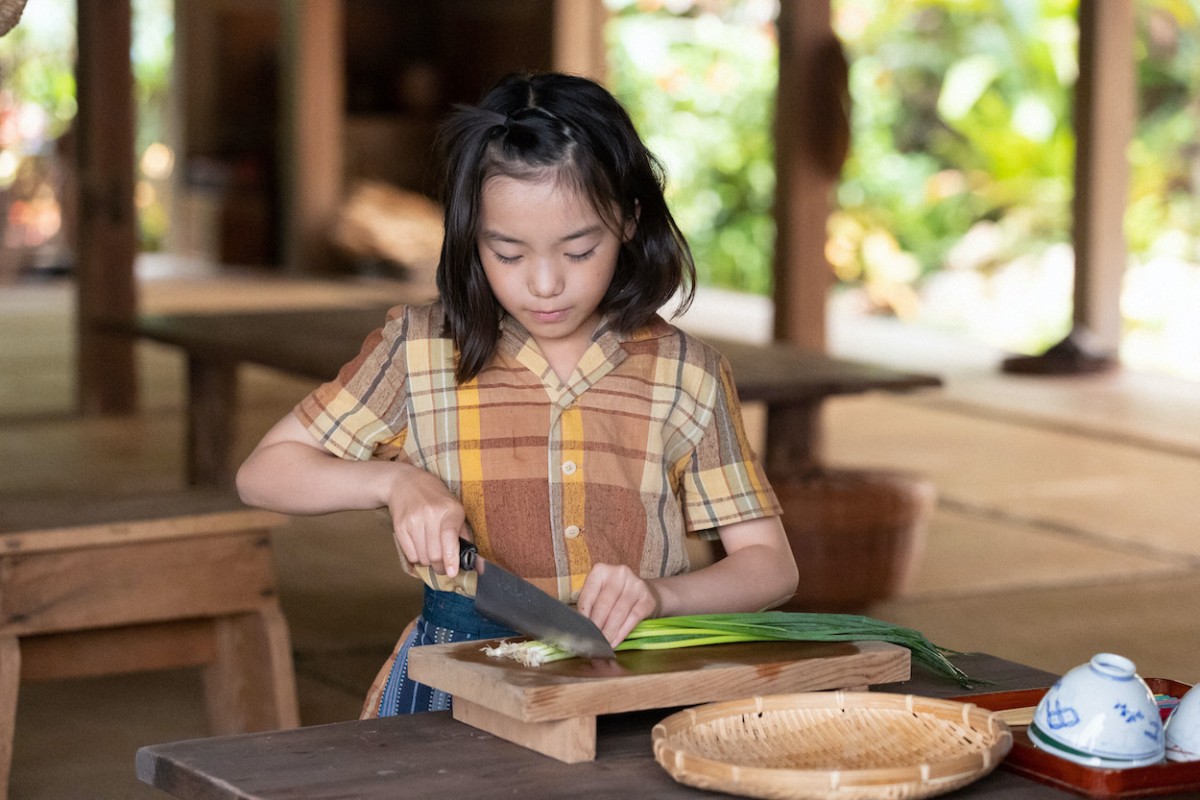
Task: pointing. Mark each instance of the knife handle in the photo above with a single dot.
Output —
(466, 553)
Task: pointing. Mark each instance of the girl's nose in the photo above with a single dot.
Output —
(545, 279)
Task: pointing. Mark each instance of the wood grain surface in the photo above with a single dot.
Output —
(653, 679)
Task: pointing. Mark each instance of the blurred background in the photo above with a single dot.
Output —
(952, 210)
(280, 161)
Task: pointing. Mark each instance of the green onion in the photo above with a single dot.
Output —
(665, 633)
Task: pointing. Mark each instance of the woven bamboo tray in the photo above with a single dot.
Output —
(843, 745)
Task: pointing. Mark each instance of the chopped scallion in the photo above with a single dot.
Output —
(666, 633)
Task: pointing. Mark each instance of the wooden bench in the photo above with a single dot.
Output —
(98, 587)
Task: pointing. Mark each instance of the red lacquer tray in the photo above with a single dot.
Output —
(1026, 759)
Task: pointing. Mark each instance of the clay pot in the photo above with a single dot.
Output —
(858, 535)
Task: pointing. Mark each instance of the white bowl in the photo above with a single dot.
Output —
(1183, 728)
(1100, 714)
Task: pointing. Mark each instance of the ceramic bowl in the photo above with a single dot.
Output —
(1183, 728)
(1100, 714)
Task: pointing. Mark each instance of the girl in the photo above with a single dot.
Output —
(541, 406)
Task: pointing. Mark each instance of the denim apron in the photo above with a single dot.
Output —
(445, 617)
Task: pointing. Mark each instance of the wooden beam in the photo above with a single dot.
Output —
(1102, 134)
(107, 234)
(579, 38)
(811, 139)
(313, 113)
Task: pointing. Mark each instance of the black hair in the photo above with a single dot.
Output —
(573, 130)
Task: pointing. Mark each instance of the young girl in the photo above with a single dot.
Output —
(541, 406)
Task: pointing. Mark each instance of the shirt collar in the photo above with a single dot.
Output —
(513, 335)
(608, 349)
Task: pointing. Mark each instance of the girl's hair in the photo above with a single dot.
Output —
(572, 130)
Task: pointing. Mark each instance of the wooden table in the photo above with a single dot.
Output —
(432, 755)
(315, 343)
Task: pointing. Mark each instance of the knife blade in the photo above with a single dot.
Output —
(513, 601)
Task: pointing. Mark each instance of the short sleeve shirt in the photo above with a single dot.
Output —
(643, 443)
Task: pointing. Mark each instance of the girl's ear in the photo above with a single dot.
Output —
(631, 222)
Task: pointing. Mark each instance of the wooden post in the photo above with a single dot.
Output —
(313, 113)
(579, 38)
(1105, 110)
(1102, 134)
(811, 140)
(107, 238)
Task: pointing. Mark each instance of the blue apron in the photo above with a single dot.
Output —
(445, 617)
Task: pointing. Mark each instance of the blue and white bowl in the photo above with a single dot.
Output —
(1183, 728)
(1100, 714)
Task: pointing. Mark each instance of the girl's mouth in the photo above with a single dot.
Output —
(549, 316)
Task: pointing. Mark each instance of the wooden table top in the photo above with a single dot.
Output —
(432, 755)
(315, 343)
(50, 511)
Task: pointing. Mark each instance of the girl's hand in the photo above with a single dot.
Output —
(616, 599)
(427, 520)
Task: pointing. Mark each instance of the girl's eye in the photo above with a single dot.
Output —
(503, 259)
(581, 256)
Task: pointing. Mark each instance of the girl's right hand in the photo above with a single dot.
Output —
(427, 519)
(292, 472)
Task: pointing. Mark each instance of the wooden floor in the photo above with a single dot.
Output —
(1065, 523)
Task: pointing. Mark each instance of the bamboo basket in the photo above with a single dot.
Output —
(841, 745)
(858, 535)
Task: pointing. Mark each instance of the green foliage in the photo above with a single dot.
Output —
(699, 83)
(152, 55)
(1164, 156)
(962, 154)
(961, 115)
(37, 65)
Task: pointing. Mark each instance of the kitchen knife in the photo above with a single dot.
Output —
(505, 598)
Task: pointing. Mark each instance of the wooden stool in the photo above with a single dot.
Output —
(97, 587)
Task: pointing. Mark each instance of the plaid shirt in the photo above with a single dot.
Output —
(642, 443)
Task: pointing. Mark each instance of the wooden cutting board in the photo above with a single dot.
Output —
(553, 708)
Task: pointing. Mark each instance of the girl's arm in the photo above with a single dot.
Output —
(757, 572)
(290, 472)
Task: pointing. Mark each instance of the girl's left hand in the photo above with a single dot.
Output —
(616, 599)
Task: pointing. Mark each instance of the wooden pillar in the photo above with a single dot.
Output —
(313, 114)
(1102, 134)
(811, 141)
(107, 233)
(579, 38)
(812, 137)
(1105, 111)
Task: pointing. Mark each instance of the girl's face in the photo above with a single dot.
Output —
(549, 258)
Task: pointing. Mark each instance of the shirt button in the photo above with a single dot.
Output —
(569, 467)
(571, 531)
